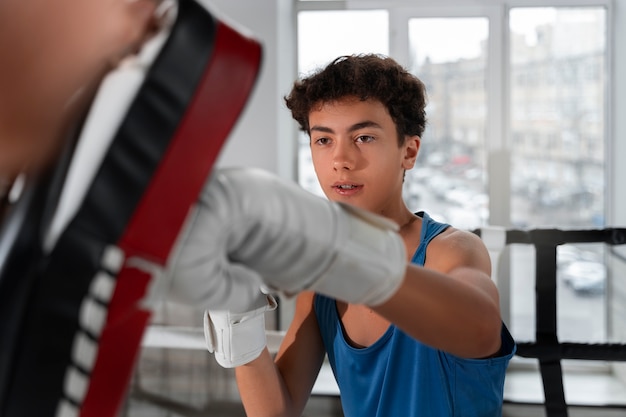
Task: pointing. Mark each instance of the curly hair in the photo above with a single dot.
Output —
(367, 77)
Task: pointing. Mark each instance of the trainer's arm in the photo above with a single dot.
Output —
(283, 387)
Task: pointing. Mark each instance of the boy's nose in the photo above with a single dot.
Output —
(344, 157)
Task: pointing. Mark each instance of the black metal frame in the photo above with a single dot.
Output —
(546, 348)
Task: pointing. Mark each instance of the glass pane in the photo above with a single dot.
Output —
(449, 55)
(324, 36)
(557, 145)
(581, 281)
(523, 302)
(557, 116)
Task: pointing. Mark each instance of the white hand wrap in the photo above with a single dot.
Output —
(251, 225)
(237, 338)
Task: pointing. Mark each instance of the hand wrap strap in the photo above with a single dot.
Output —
(238, 338)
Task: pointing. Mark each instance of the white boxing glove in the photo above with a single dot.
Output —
(252, 225)
(238, 338)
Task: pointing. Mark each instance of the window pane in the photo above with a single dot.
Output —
(322, 37)
(449, 56)
(557, 146)
(325, 35)
(557, 116)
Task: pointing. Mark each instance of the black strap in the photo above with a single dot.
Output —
(552, 378)
(546, 330)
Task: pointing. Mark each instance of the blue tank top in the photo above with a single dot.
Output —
(399, 376)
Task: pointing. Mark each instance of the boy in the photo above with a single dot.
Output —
(437, 346)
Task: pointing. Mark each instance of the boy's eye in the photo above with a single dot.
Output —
(321, 141)
(365, 139)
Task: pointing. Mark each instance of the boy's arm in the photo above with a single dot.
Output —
(454, 297)
(282, 387)
(252, 224)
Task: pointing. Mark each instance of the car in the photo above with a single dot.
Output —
(567, 254)
(584, 277)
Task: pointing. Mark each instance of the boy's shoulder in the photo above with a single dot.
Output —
(458, 237)
(453, 245)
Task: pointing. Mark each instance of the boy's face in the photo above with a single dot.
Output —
(50, 52)
(357, 159)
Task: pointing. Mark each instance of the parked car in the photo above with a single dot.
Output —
(584, 277)
(566, 254)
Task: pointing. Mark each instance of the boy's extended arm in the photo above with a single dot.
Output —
(252, 226)
(454, 297)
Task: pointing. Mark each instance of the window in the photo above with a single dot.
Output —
(558, 177)
(324, 36)
(449, 179)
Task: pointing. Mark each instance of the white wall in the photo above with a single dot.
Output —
(265, 136)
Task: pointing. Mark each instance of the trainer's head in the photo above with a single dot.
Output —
(53, 55)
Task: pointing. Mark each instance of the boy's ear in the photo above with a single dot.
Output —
(411, 149)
